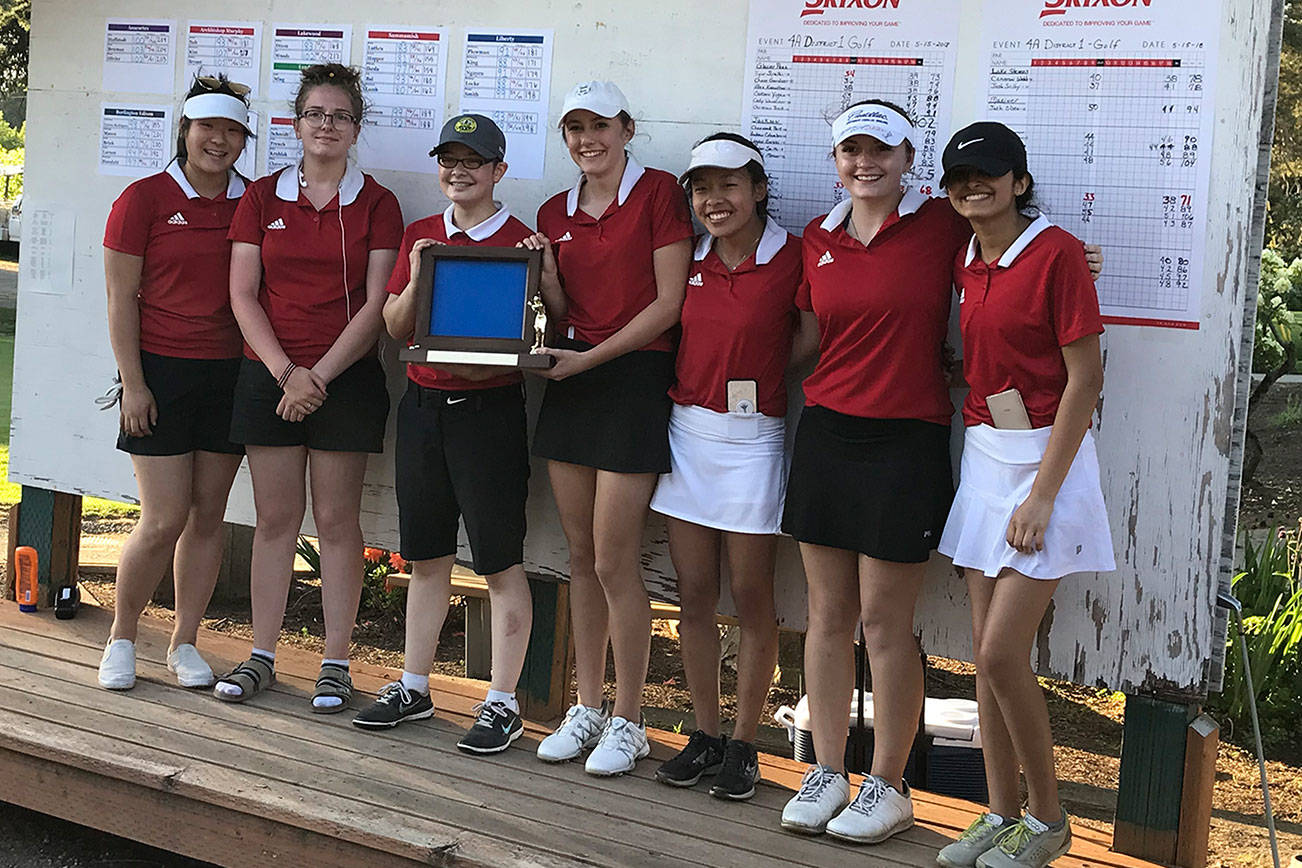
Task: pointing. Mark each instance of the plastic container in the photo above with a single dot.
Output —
(953, 763)
(25, 587)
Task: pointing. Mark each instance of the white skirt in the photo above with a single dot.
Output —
(728, 471)
(998, 469)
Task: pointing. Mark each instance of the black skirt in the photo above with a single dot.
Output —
(880, 487)
(613, 417)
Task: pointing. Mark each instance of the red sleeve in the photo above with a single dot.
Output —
(247, 224)
(386, 222)
(670, 219)
(1073, 299)
(802, 300)
(402, 268)
(127, 229)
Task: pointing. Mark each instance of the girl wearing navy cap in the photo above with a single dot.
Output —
(723, 497)
(167, 264)
(615, 254)
(870, 483)
(313, 246)
(1029, 508)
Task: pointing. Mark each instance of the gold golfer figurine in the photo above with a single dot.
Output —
(539, 322)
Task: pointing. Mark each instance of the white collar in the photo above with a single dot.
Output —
(632, 171)
(771, 241)
(234, 183)
(910, 203)
(479, 232)
(349, 186)
(1038, 225)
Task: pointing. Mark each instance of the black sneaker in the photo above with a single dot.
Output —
(494, 730)
(739, 773)
(394, 705)
(700, 756)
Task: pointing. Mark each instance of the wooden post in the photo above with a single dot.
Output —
(237, 561)
(479, 638)
(1201, 745)
(50, 522)
(544, 687)
(1151, 783)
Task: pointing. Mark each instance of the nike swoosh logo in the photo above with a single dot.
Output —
(456, 400)
(961, 145)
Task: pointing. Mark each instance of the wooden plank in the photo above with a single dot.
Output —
(479, 638)
(1151, 777)
(160, 819)
(544, 686)
(1202, 741)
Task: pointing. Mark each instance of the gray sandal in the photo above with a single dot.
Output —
(252, 677)
(334, 681)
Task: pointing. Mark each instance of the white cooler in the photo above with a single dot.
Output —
(954, 762)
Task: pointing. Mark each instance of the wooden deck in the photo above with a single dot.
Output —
(269, 783)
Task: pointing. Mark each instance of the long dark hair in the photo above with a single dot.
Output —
(753, 168)
(199, 87)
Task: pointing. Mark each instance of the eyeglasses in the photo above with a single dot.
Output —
(468, 163)
(212, 82)
(316, 118)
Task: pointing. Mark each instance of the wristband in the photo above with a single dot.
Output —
(284, 377)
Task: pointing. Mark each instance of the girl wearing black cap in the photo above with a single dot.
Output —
(177, 346)
(871, 483)
(723, 497)
(1029, 508)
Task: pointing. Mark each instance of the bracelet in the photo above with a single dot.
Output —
(284, 377)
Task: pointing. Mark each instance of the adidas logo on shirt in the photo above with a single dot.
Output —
(178, 219)
(566, 237)
(696, 280)
(278, 223)
(825, 259)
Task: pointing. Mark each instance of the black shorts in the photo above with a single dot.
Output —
(350, 420)
(462, 455)
(612, 417)
(880, 487)
(194, 406)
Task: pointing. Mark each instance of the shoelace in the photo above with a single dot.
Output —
(1016, 838)
(393, 692)
(734, 758)
(488, 712)
(622, 734)
(816, 780)
(869, 795)
(978, 828)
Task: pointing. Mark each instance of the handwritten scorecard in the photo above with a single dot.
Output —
(807, 62)
(1115, 106)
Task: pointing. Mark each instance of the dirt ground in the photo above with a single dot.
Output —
(1274, 496)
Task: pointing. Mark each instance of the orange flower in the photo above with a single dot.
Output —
(373, 554)
(398, 562)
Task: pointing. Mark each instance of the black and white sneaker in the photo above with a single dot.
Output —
(702, 755)
(494, 730)
(394, 705)
(739, 773)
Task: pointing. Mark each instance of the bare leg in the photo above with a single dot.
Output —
(618, 520)
(996, 746)
(750, 567)
(164, 482)
(695, 552)
(279, 499)
(199, 548)
(829, 642)
(1004, 657)
(336, 508)
(511, 609)
(575, 489)
(427, 609)
(888, 592)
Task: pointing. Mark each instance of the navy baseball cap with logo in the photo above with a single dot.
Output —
(476, 132)
(989, 147)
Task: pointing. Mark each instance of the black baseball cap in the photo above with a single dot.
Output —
(987, 146)
(476, 132)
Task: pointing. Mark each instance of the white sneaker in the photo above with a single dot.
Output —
(980, 836)
(1028, 843)
(117, 668)
(823, 792)
(579, 731)
(622, 744)
(190, 668)
(877, 813)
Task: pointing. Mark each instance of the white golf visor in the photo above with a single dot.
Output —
(882, 123)
(720, 154)
(217, 105)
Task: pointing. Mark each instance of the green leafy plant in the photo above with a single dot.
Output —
(310, 554)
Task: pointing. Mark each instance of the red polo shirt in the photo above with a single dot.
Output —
(184, 296)
(305, 292)
(500, 230)
(1018, 313)
(883, 310)
(738, 325)
(606, 263)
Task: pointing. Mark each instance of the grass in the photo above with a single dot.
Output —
(1290, 416)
